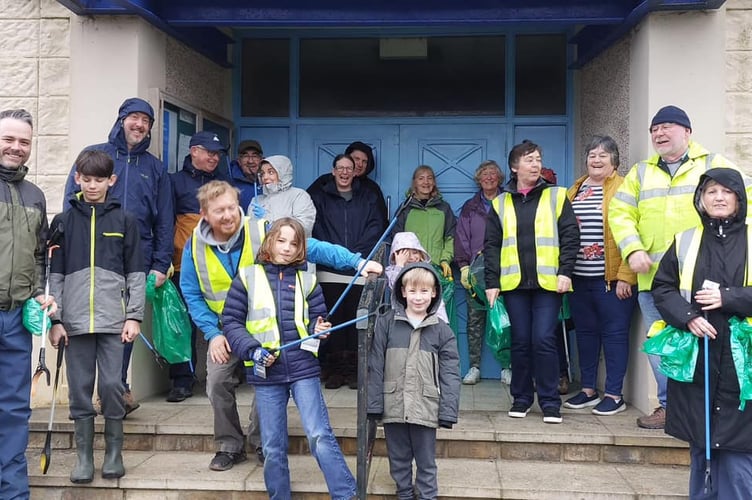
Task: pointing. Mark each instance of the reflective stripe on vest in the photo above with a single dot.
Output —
(261, 319)
(687, 248)
(213, 278)
(546, 239)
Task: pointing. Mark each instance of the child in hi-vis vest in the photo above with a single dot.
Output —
(270, 304)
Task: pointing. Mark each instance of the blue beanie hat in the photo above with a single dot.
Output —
(671, 114)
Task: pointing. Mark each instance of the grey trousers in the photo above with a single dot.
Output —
(221, 381)
(86, 356)
(405, 442)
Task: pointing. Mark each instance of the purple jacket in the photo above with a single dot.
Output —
(471, 229)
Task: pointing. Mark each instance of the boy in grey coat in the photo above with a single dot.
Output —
(414, 379)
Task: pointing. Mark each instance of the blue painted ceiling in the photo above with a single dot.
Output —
(595, 24)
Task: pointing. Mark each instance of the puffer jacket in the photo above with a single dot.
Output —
(23, 222)
(413, 373)
(434, 224)
(471, 229)
(293, 364)
(97, 275)
(356, 224)
(616, 267)
(143, 188)
(722, 258)
(284, 200)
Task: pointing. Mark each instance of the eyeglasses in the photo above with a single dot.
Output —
(210, 153)
(250, 156)
(343, 168)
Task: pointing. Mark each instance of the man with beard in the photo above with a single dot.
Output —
(143, 188)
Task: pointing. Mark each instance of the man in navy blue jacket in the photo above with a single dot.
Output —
(143, 188)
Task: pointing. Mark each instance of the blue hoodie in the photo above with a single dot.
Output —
(143, 187)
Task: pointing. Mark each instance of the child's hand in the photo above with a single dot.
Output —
(58, 334)
(401, 256)
(263, 357)
(131, 327)
(321, 326)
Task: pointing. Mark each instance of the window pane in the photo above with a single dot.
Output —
(541, 75)
(265, 85)
(358, 77)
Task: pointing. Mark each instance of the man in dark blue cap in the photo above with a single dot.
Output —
(199, 167)
(656, 201)
(143, 188)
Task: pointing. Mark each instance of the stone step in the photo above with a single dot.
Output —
(185, 475)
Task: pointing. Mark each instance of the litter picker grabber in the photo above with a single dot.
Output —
(375, 248)
(41, 364)
(161, 360)
(44, 463)
(325, 332)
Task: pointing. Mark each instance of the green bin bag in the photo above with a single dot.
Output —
(741, 351)
(33, 315)
(171, 326)
(678, 351)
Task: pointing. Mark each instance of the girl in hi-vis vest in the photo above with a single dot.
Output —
(272, 303)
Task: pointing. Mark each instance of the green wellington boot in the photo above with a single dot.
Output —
(112, 468)
(83, 472)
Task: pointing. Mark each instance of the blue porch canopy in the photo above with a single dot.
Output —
(595, 24)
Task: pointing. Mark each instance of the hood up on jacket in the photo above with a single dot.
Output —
(397, 297)
(283, 166)
(362, 146)
(731, 179)
(407, 239)
(117, 135)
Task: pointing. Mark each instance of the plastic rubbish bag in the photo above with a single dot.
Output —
(498, 333)
(33, 315)
(678, 351)
(447, 294)
(741, 351)
(171, 326)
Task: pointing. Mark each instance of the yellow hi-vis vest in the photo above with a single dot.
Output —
(261, 319)
(546, 239)
(213, 278)
(687, 248)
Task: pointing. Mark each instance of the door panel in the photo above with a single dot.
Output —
(274, 140)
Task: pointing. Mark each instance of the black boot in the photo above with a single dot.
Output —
(112, 468)
(83, 472)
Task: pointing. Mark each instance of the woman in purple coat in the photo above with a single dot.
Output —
(468, 242)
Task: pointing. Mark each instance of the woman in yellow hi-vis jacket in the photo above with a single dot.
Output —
(703, 281)
(530, 249)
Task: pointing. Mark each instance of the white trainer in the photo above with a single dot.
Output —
(506, 376)
(472, 377)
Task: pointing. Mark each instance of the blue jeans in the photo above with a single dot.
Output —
(601, 319)
(730, 473)
(650, 315)
(534, 319)
(271, 401)
(15, 409)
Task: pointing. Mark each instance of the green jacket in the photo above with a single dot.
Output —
(23, 234)
(434, 224)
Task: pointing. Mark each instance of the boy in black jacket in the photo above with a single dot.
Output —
(97, 276)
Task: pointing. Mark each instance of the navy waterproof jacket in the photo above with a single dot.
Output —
(185, 185)
(142, 186)
(248, 188)
(293, 364)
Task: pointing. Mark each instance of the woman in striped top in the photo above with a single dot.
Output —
(604, 294)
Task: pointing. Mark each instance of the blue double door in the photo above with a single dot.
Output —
(454, 151)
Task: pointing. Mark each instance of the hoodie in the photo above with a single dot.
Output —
(284, 200)
(143, 187)
(413, 372)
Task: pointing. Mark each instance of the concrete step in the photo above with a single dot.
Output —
(185, 475)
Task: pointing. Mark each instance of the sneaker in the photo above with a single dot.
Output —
(178, 394)
(335, 381)
(551, 416)
(260, 455)
(563, 385)
(130, 402)
(656, 420)
(224, 460)
(582, 400)
(506, 376)
(518, 411)
(610, 406)
(472, 377)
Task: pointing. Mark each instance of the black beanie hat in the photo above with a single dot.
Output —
(671, 114)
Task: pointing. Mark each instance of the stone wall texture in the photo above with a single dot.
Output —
(604, 103)
(35, 57)
(739, 82)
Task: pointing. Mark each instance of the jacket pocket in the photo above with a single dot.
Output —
(393, 403)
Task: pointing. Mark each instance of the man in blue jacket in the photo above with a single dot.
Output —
(143, 188)
(244, 172)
